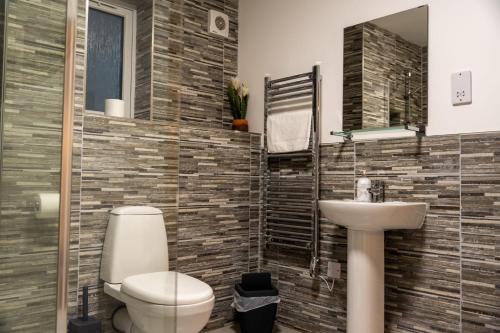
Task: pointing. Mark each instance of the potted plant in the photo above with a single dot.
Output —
(237, 93)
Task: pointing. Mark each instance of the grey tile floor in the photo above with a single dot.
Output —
(235, 329)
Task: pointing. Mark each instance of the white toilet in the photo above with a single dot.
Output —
(134, 267)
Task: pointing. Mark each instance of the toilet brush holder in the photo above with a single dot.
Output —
(85, 324)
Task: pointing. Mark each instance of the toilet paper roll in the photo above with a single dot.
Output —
(114, 108)
(47, 205)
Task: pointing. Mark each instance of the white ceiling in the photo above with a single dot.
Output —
(410, 24)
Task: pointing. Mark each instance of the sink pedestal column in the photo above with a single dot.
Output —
(365, 281)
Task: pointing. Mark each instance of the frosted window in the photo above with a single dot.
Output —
(104, 58)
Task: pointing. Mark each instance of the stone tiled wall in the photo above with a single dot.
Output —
(190, 66)
(441, 278)
(214, 222)
(480, 232)
(201, 180)
(123, 163)
(143, 61)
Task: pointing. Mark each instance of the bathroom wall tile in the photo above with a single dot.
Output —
(337, 171)
(203, 58)
(125, 162)
(214, 152)
(254, 238)
(306, 303)
(256, 202)
(168, 37)
(29, 282)
(230, 57)
(422, 266)
(230, 71)
(480, 232)
(144, 46)
(480, 271)
(190, 65)
(218, 202)
(415, 169)
(480, 176)
(213, 191)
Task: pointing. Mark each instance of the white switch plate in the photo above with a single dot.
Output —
(334, 270)
(461, 88)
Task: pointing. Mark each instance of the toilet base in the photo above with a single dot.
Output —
(122, 322)
(161, 319)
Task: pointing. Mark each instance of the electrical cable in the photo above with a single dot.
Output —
(330, 289)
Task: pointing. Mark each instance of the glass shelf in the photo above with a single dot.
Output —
(369, 133)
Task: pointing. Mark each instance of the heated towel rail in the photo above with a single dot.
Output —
(292, 179)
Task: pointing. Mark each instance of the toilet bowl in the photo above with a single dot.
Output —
(135, 270)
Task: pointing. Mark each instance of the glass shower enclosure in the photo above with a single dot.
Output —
(33, 56)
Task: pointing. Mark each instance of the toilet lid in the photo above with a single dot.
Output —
(167, 288)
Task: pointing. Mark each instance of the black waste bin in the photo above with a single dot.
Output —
(256, 293)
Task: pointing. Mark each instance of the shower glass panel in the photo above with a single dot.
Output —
(33, 53)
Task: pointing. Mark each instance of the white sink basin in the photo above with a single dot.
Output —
(370, 216)
(366, 222)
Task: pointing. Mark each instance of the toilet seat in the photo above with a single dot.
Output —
(166, 302)
(166, 288)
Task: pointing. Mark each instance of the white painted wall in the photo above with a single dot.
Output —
(284, 37)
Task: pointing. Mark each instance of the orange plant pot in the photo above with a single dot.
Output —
(240, 125)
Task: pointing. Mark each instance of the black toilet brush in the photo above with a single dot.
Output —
(85, 324)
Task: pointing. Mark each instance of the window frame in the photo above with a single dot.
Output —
(129, 15)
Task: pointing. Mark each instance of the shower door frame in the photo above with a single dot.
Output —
(66, 169)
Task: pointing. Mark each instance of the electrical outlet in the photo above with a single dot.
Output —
(461, 88)
(334, 270)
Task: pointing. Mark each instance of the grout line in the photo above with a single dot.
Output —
(223, 77)
(249, 204)
(152, 59)
(354, 162)
(460, 328)
(79, 217)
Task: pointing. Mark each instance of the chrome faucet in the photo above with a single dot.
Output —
(377, 191)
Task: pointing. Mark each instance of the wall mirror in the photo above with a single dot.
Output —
(385, 72)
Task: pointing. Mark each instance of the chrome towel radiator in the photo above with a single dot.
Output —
(291, 201)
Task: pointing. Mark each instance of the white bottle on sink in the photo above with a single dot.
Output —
(363, 188)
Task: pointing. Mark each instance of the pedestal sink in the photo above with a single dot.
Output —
(366, 223)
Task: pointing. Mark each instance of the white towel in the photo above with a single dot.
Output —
(288, 131)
